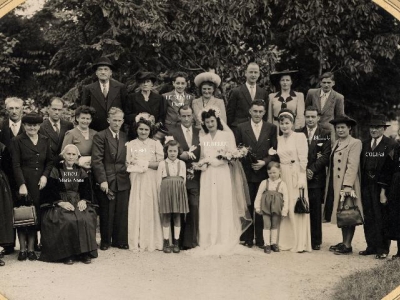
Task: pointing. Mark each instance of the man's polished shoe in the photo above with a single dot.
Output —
(32, 255)
(7, 251)
(2, 263)
(343, 250)
(260, 245)
(22, 255)
(334, 247)
(68, 261)
(366, 252)
(249, 244)
(316, 247)
(124, 247)
(381, 256)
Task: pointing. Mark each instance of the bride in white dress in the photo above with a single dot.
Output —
(222, 217)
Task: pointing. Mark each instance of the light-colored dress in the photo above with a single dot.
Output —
(219, 224)
(198, 106)
(144, 223)
(294, 232)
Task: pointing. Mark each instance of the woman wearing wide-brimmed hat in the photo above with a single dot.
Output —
(207, 83)
(32, 162)
(343, 176)
(145, 101)
(285, 98)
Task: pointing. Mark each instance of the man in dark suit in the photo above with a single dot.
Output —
(377, 152)
(109, 169)
(241, 97)
(319, 149)
(187, 135)
(175, 99)
(329, 103)
(104, 94)
(261, 136)
(55, 127)
(10, 128)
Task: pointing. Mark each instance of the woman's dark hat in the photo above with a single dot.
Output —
(344, 119)
(103, 61)
(275, 77)
(143, 76)
(378, 121)
(32, 118)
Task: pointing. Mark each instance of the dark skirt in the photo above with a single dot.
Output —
(393, 231)
(173, 196)
(66, 233)
(272, 203)
(6, 212)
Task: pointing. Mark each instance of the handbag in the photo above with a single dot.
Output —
(301, 206)
(24, 215)
(348, 215)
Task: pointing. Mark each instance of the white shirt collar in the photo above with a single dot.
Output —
(312, 129)
(113, 133)
(18, 124)
(171, 162)
(327, 94)
(378, 140)
(254, 124)
(249, 86)
(58, 123)
(186, 129)
(107, 85)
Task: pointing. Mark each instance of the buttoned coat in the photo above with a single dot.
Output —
(172, 107)
(320, 144)
(30, 162)
(92, 95)
(268, 139)
(56, 140)
(239, 103)
(136, 104)
(108, 160)
(333, 107)
(346, 165)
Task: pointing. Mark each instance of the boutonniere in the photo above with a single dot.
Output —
(320, 144)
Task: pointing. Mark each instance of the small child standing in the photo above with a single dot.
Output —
(272, 202)
(171, 175)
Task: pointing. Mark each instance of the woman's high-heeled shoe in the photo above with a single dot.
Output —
(22, 255)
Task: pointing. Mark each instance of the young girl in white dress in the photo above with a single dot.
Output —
(272, 202)
(171, 176)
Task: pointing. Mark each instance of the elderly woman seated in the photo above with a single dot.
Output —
(68, 218)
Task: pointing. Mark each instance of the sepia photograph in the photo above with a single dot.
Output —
(191, 150)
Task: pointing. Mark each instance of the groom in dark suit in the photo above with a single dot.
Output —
(319, 150)
(187, 135)
(240, 99)
(261, 136)
(104, 94)
(109, 169)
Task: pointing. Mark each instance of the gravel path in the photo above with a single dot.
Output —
(120, 274)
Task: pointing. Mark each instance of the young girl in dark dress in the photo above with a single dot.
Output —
(171, 176)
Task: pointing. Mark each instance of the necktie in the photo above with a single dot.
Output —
(14, 129)
(189, 137)
(257, 131)
(309, 136)
(56, 128)
(252, 92)
(324, 97)
(105, 92)
(374, 145)
(116, 139)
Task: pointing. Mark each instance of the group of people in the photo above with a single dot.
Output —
(191, 191)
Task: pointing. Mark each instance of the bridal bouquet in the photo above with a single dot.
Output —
(240, 152)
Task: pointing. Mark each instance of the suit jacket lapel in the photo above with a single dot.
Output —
(111, 140)
(329, 101)
(246, 93)
(318, 100)
(26, 141)
(181, 137)
(63, 128)
(50, 131)
(263, 134)
(99, 95)
(249, 131)
(121, 144)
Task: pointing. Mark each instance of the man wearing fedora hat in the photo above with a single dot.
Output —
(240, 99)
(103, 94)
(376, 152)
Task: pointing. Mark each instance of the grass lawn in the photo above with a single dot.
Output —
(371, 284)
